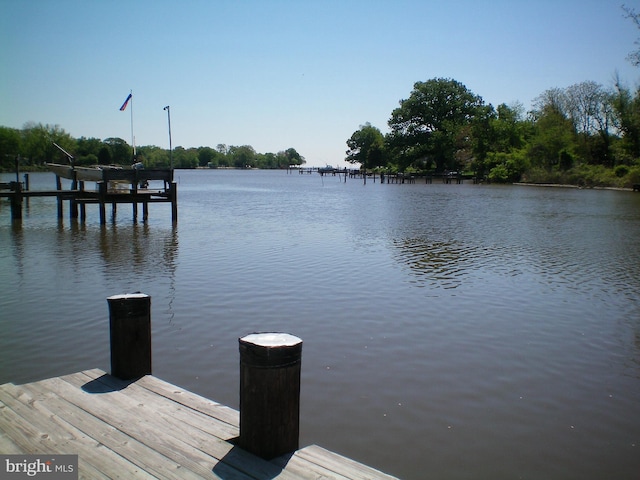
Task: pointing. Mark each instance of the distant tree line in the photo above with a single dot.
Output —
(34, 145)
(584, 134)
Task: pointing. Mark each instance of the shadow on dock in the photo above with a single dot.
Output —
(237, 458)
(106, 384)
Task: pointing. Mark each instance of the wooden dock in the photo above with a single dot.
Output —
(114, 187)
(147, 428)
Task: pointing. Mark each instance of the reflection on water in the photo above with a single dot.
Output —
(145, 252)
(139, 248)
(56, 276)
(436, 264)
(461, 330)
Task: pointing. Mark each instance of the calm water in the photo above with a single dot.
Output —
(450, 331)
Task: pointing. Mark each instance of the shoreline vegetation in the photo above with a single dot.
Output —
(441, 127)
(581, 178)
(577, 187)
(544, 184)
(586, 135)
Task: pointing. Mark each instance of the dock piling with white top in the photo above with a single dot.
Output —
(270, 393)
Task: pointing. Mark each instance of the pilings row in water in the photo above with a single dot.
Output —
(269, 375)
(398, 178)
(428, 179)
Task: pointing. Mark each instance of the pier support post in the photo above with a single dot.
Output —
(16, 202)
(134, 195)
(102, 194)
(73, 208)
(73, 205)
(83, 206)
(270, 393)
(59, 197)
(130, 333)
(173, 194)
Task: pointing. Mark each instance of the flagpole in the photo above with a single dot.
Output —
(127, 101)
(170, 149)
(133, 139)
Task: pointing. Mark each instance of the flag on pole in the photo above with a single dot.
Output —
(126, 102)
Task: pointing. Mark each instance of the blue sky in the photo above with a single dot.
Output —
(278, 74)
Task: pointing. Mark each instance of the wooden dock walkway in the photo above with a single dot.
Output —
(147, 428)
(117, 186)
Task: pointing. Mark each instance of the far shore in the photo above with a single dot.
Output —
(562, 185)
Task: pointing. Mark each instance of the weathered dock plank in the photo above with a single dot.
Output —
(340, 464)
(111, 451)
(179, 444)
(184, 397)
(35, 428)
(146, 428)
(303, 468)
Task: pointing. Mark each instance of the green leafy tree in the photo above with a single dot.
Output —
(268, 160)
(282, 160)
(87, 151)
(506, 167)
(207, 157)
(590, 107)
(554, 140)
(119, 151)
(9, 147)
(626, 106)
(510, 128)
(366, 147)
(293, 157)
(504, 132)
(242, 157)
(185, 158)
(428, 125)
(153, 156)
(38, 143)
(104, 155)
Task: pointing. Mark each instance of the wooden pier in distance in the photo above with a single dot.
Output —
(112, 187)
(147, 428)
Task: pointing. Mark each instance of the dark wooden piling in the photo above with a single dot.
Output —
(73, 204)
(134, 204)
(173, 196)
(102, 194)
(130, 332)
(83, 206)
(16, 202)
(59, 197)
(270, 393)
